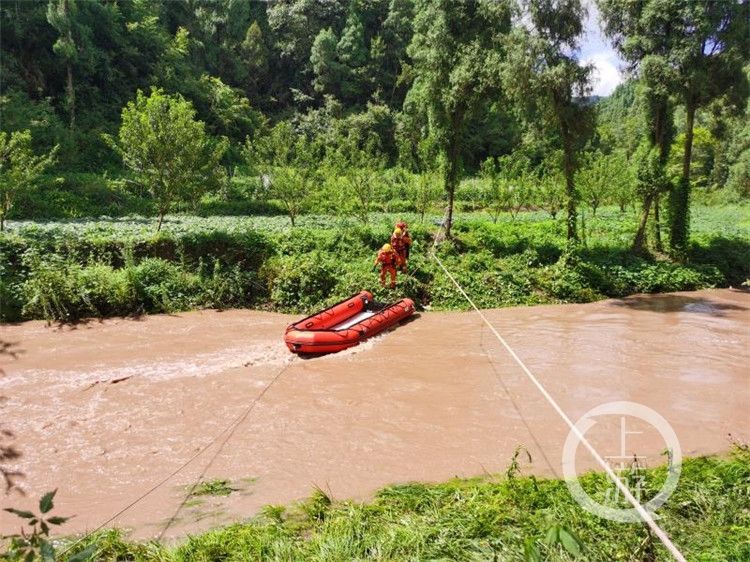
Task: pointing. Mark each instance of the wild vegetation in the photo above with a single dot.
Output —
(165, 156)
(493, 518)
(340, 107)
(71, 270)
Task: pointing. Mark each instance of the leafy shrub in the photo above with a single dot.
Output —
(567, 282)
(231, 286)
(50, 290)
(301, 283)
(162, 286)
(119, 266)
(216, 487)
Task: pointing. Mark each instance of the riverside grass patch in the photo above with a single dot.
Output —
(70, 270)
(490, 518)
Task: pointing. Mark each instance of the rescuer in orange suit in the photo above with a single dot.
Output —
(407, 237)
(401, 241)
(389, 260)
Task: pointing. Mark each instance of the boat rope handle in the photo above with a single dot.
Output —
(642, 512)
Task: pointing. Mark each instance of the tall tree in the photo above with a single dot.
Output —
(256, 59)
(699, 49)
(287, 164)
(359, 164)
(168, 149)
(61, 14)
(547, 79)
(327, 69)
(711, 43)
(643, 38)
(456, 52)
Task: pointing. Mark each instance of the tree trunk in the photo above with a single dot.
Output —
(657, 225)
(69, 87)
(570, 194)
(680, 201)
(640, 236)
(71, 97)
(161, 220)
(453, 164)
(451, 179)
(570, 186)
(451, 193)
(2, 223)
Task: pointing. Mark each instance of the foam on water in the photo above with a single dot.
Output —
(198, 365)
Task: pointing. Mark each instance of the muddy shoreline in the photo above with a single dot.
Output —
(106, 409)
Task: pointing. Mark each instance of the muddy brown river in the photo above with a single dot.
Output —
(103, 411)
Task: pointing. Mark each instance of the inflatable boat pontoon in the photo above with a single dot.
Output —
(345, 324)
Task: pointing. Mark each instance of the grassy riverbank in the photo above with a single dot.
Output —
(109, 267)
(501, 518)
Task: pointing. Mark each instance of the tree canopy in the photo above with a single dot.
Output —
(472, 80)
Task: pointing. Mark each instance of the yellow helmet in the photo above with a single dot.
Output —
(397, 232)
(387, 247)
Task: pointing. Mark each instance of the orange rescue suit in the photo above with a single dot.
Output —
(401, 245)
(388, 262)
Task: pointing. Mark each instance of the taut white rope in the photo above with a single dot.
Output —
(645, 515)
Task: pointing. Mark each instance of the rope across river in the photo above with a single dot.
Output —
(642, 512)
(230, 429)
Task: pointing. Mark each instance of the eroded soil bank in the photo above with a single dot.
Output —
(105, 410)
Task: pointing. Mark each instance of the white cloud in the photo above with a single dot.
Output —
(606, 75)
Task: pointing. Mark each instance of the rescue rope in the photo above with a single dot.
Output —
(642, 512)
(229, 435)
(231, 428)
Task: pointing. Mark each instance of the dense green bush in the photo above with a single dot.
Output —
(300, 282)
(70, 270)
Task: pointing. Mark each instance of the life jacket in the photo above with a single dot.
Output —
(388, 259)
(398, 243)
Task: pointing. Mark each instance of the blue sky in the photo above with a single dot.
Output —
(596, 49)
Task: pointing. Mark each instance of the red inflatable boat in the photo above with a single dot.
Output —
(345, 324)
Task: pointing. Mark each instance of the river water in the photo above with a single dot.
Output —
(105, 410)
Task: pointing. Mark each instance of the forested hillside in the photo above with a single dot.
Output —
(369, 71)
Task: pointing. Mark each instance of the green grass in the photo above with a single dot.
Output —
(491, 518)
(216, 487)
(68, 270)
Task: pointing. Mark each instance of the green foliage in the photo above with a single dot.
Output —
(689, 50)
(286, 163)
(358, 168)
(34, 541)
(605, 178)
(168, 150)
(215, 487)
(20, 169)
(510, 184)
(301, 282)
(343, 70)
(69, 271)
(489, 518)
(456, 52)
(543, 75)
